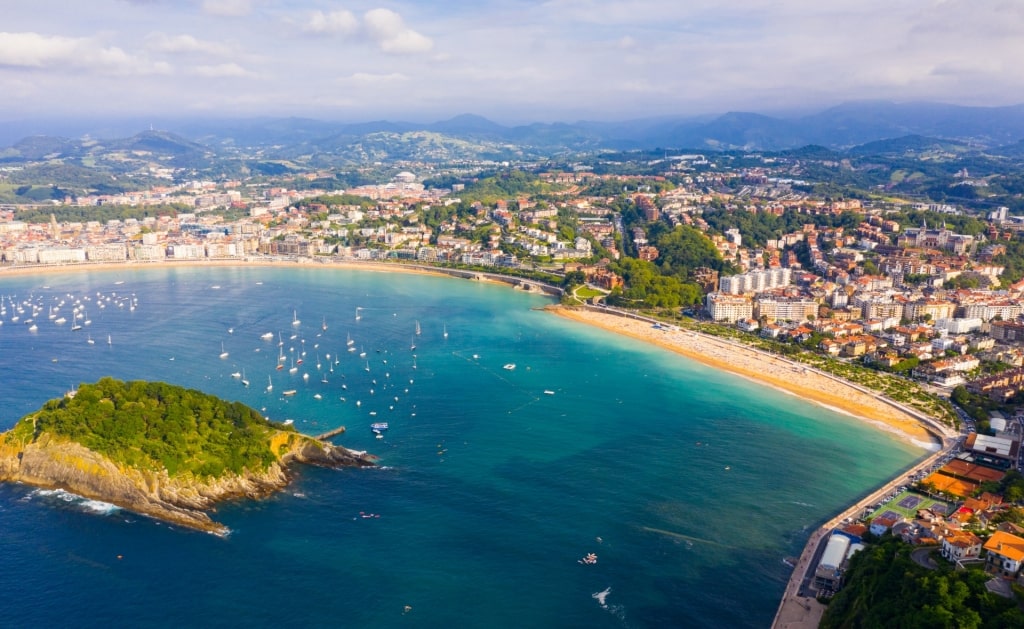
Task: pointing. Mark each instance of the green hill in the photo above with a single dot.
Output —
(158, 449)
(154, 425)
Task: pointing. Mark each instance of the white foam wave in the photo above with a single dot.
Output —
(92, 506)
(601, 596)
(930, 446)
(98, 506)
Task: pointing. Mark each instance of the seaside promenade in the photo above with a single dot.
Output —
(799, 611)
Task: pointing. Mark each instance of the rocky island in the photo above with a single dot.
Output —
(159, 450)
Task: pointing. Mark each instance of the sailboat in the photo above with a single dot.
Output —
(270, 384)
(244, 381)
(223, 353)
(358, 316)
(295, 317)
(109, 341)
(323, 326)
(412, 345)
(349, 342)
(90, 341)
(445, 333)
(417, 328)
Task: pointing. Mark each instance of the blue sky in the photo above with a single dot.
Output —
(510, 60)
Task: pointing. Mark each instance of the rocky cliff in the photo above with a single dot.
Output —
(49, 461)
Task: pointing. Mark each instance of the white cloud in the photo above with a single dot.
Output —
(223, 70)
(178, 44)
(227, 8)
(339, 22)
(32, 50)
(387, 29)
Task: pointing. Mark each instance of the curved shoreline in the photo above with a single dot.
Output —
(771, 370)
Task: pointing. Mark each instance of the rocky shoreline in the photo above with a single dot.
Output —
(57, 463)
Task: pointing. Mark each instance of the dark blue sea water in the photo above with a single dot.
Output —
(690, 485)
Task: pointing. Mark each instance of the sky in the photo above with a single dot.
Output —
(513, 61)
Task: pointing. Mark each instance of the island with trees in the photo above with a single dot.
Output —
(160, 450)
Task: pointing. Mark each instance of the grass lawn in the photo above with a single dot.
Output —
(585, 292)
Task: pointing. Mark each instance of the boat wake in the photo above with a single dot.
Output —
(601, 596)
(619, 611)
(85, 504)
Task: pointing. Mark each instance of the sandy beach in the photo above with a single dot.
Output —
(765, 368)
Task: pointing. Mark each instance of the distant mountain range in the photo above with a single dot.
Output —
(852, 127)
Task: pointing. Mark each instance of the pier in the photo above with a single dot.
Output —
(330, 433)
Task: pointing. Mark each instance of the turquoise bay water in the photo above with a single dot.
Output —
(689, 484)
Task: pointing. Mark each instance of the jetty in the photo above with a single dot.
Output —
(330, 433)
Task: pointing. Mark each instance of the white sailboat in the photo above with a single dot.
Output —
(417, 328)
(358, 316)
(109, 341)
(323, 326)
(270, 384)
(223, 353)
(244, 381)
(445, 333)
(295, 317)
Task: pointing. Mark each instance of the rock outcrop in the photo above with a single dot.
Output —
(59, 463)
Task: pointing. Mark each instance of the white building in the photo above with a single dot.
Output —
(958, 326)
(113, 252)
(53, 255)
(729, 308)
(187, 252)
(754, 281)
